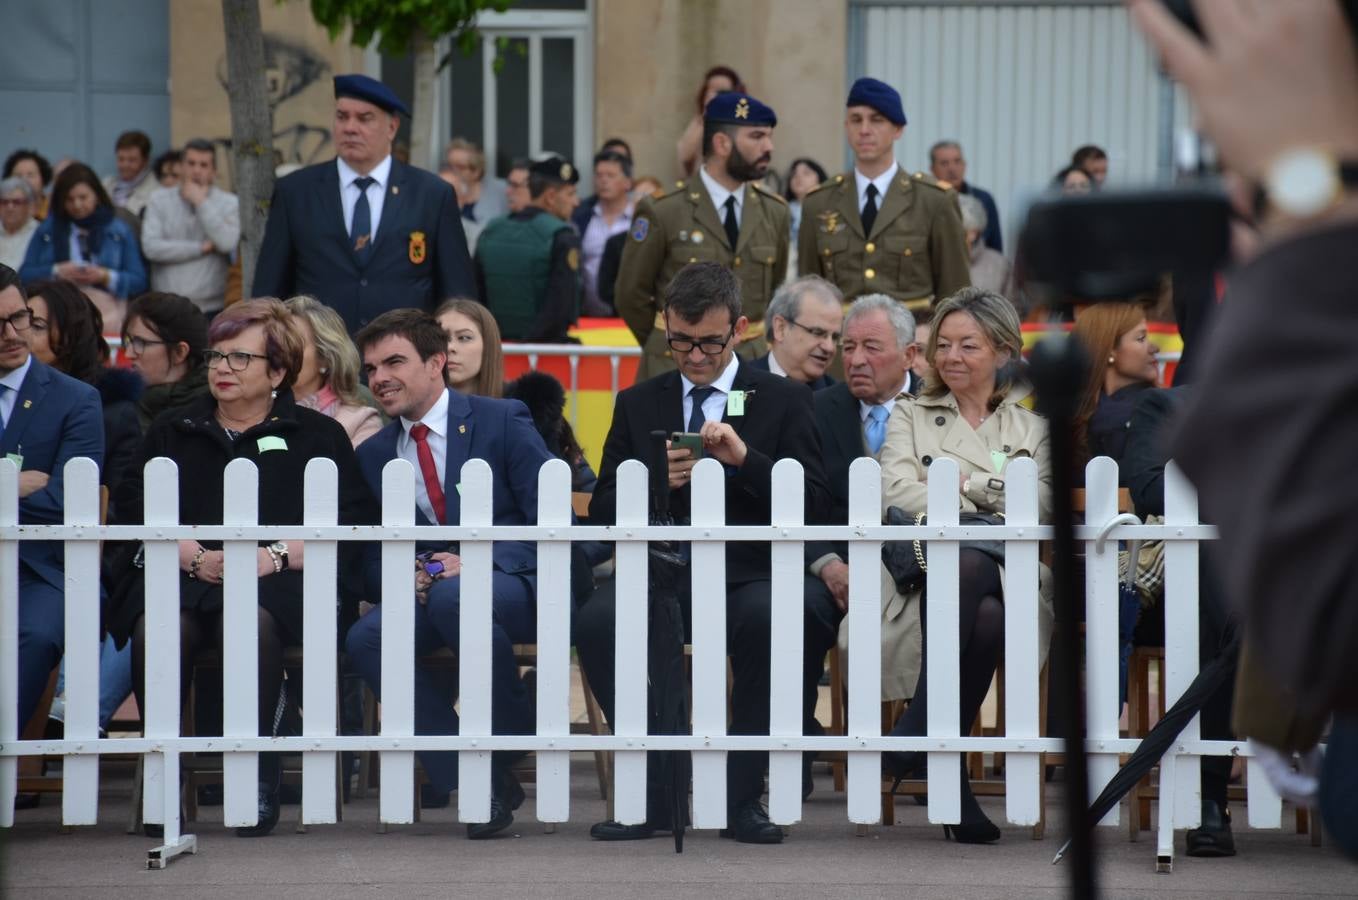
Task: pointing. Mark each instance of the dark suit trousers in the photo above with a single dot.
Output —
(42, 635)
(513, 620)
(748, 642)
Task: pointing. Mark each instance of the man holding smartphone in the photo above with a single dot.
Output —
(746, 419)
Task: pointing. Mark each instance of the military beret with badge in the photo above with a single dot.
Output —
(734, 108)
(554, 169)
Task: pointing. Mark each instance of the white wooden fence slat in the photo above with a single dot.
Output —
(629, 710)
(80, 784)
(240, 644)
(786, 640)
(160, 773)
(474, 644)
(864, 769)
(1022, 695)
(1265, 807)
(554, 643)
(398, 641)
(1181, 640)
(1102, 703)
(9, 639)
(942, 641)
(707, 566)
(320, 506)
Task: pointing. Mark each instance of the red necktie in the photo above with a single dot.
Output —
(430, 472)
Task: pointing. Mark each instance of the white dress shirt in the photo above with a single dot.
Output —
(592, 242)
(774, 366)
(407, 449)
(13, 381)
(715, 405)
(881, 182)
(377, 192)
(718, 193)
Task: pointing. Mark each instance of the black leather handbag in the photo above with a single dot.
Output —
(908, 561)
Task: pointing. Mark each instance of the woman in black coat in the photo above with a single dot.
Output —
(249, 413)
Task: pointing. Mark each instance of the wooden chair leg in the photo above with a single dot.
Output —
(603, 760)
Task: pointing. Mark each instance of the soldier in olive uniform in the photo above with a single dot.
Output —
(878, 229)
(723, 215)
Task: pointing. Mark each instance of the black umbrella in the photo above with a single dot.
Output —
(1157, 741)
(668, 688)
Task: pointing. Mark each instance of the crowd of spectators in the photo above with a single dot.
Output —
(120, 291)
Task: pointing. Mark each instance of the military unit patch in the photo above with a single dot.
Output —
(640, 228)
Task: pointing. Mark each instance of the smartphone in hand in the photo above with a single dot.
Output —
(687, 440)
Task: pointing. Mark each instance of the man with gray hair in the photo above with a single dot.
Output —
(989, 268)
(191, 231)
(16, 220)
(879, 350)
(946, 163)
(805, 317)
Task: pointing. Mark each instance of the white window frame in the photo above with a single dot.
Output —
(534, 26)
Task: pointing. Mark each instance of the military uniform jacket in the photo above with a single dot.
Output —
(683, 227)
(917, 251)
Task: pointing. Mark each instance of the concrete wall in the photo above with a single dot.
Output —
(651, 54)
(302, 60)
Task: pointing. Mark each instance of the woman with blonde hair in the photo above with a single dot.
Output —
(970, 411)
(328, 378)
(1123, 364)
(476, 359)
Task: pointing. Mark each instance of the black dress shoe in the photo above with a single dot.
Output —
(506, 796)
(1213, 837)
(616, 831)
(269, 809)
(748, 822)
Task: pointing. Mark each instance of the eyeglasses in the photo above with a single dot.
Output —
(138, 345)
(238, 360)
(819, 334)
(19, 321)
(708, 347)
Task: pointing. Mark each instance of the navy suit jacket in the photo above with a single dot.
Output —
(55, 419)
(502, 433)
(418, 259)
(762, 363)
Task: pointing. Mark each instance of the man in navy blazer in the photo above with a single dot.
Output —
(437, 430)
(364, 233)
(46, 418)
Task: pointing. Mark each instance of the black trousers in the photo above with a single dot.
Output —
(748, 642)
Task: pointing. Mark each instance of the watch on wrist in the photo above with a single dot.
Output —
(1307, 181)
(279, 551)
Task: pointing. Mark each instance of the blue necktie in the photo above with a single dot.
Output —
(876, 430)
(3, 388)
(361, 233)
(696, 417)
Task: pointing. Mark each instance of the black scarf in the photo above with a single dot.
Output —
(94, 225)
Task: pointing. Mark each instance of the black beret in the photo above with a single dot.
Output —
(554, 169)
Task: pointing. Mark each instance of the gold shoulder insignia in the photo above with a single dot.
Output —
(678, 185)
(772, 195)
(838, 179)
(933, 182)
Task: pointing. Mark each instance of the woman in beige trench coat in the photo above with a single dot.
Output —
(970, 412)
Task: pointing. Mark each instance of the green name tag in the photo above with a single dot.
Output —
(16, 458)
(271, 442)
(735, 403)
(997, 459)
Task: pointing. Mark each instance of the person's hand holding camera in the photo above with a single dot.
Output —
(1270, 79)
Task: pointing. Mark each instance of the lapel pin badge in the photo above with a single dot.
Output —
(395, 189)
(462, 429)
(28, 404)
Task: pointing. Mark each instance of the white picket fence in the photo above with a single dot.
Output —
(162, 745)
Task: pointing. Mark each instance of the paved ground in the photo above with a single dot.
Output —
(821, 858)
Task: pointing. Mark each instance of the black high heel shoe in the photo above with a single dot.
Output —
(975, 827)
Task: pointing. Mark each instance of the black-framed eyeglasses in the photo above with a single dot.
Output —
(19, 321)
(238, 360)
(709, 347)
(138, 345)
(818, 333)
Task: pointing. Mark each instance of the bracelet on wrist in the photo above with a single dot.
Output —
(196, 563)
